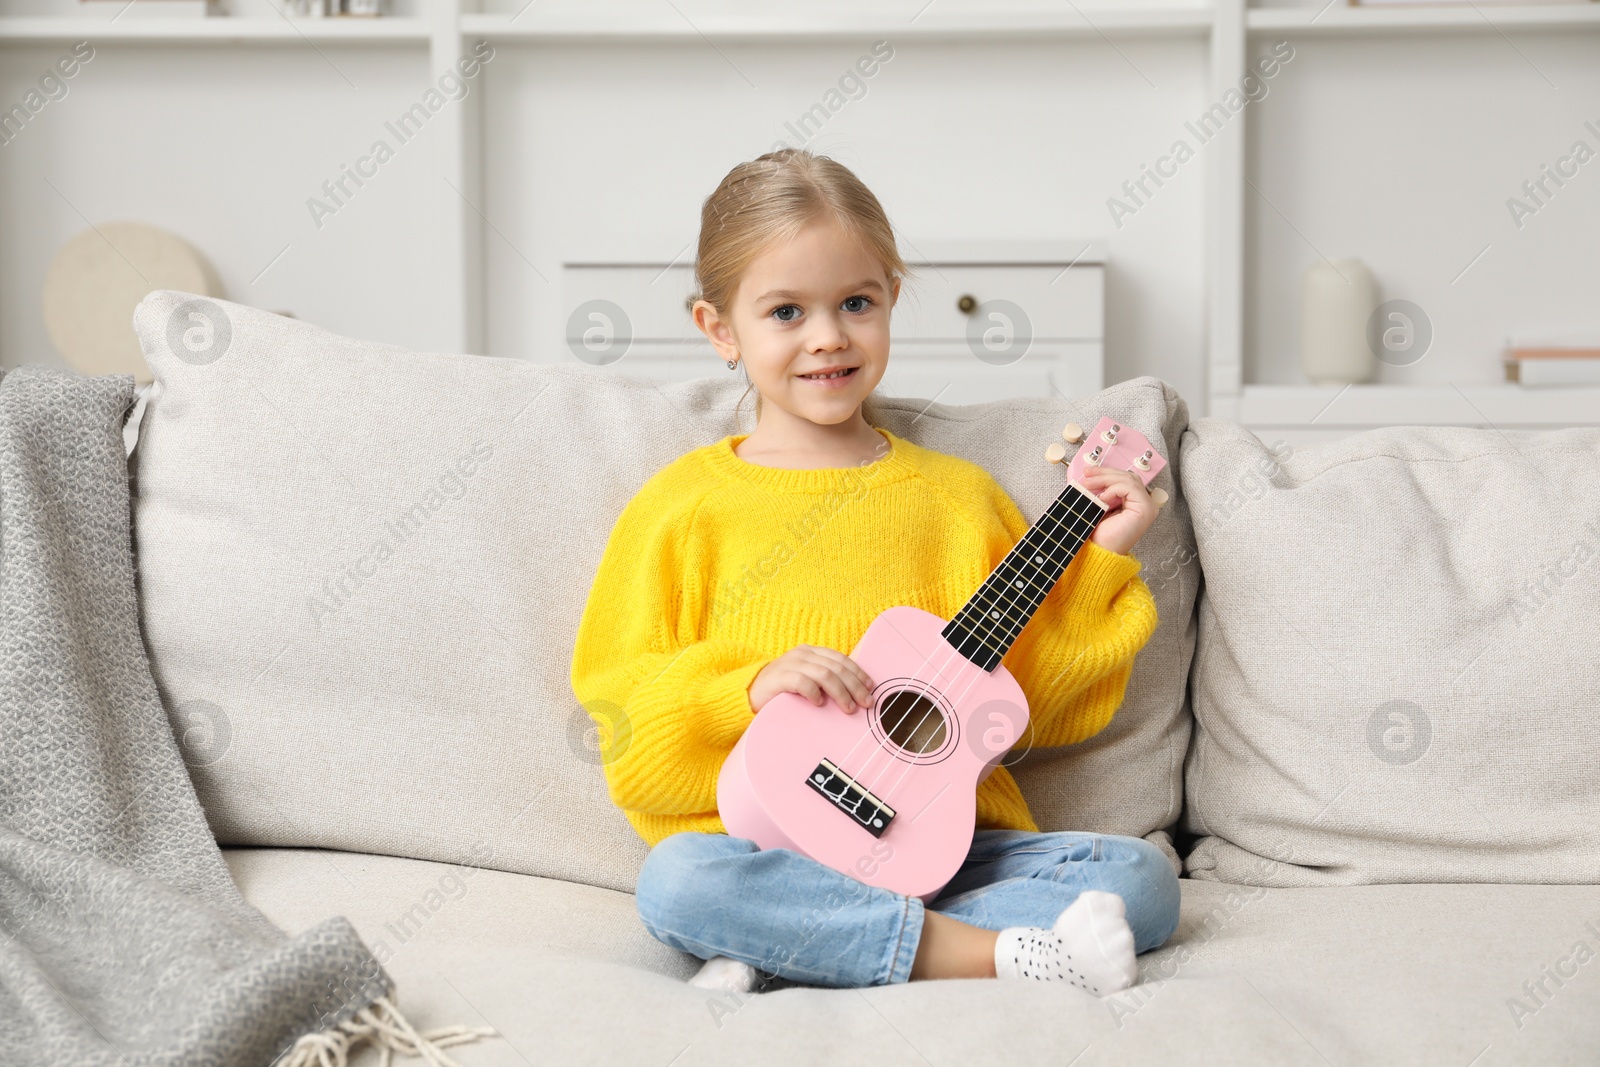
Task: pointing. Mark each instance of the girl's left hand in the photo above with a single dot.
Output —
(1122, 526)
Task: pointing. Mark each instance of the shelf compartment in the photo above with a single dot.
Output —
(1368, 405)
(267, 31)
(964, 22)
(1337, 19)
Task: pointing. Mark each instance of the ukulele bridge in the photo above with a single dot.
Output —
(850, 797)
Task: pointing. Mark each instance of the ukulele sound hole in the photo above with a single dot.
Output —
(912, 721)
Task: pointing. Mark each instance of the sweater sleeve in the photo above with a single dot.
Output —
(1075, 656)
(670, 706)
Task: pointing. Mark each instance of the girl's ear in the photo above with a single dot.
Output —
(708, 322)
(895, 293)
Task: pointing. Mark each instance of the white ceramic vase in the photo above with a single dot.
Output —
(1335, 301)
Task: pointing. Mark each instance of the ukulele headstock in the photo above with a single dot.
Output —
(1112, 445)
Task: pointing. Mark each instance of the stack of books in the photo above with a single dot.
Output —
(1534, 361)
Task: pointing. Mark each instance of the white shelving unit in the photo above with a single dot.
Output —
(1305, 414)
(1474, 18)
(956, 21)
(447, 29)
(343, 31)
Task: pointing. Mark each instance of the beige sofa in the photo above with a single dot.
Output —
(1367, 718)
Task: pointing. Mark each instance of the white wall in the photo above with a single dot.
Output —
(957, 141)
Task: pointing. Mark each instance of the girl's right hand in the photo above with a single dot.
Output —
(816, 674)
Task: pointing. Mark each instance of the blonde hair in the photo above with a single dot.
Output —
(770, 199)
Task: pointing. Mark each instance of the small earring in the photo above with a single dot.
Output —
(732, 363)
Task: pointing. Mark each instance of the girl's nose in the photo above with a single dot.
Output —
(827, 334)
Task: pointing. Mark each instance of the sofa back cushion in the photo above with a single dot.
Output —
(362, 569)
(1396, 673)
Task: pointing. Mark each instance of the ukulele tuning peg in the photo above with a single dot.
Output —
(1072, 432)
(1110, 435)
(1056, 453)
(1143, 462)
(1159, 496)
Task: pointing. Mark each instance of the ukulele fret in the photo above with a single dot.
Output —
(987, 625)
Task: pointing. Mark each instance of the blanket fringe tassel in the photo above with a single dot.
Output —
(383, 1025)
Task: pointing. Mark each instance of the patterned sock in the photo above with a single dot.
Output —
(1090, 946)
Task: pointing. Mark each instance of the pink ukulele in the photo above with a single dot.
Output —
(858, 792)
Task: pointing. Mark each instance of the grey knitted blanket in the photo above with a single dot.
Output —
(123, 939)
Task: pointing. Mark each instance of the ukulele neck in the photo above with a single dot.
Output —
(987, 625)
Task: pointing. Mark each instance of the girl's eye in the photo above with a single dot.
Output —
(861, 302)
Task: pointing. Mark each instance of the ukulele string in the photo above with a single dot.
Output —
(955, 653)
(1053, 549)
(915, 680)
(932, 706)
(1014, 625)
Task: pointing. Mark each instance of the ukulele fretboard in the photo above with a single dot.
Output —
(985, 627)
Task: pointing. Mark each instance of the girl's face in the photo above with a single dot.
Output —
(817, 303)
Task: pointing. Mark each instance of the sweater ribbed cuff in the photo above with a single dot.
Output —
(726, 710)
(1100, 575)
(1103, 573)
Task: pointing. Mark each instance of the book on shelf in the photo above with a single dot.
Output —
(1551, 361)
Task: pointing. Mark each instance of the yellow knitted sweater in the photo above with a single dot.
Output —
(717, 566)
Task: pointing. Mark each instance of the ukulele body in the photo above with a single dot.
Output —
(895, 804)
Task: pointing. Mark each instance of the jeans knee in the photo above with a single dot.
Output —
(672, 873)
(1155, 884)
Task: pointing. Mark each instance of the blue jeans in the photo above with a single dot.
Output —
(790, 916)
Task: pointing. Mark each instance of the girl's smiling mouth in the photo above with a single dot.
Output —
(830, 378)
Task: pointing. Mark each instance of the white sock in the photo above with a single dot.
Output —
(1090, 945)
(722, 973)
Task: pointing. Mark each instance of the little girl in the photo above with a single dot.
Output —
(743, 568)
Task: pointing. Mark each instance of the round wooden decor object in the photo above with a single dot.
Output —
(99, 277)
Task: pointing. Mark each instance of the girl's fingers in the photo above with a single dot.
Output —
(859, 683)
(838, 691)
(1115, 484)
(1110, 492)
(1114, 491)
(1109, 475)
(817, 681)
(850, 673)
(807, 687)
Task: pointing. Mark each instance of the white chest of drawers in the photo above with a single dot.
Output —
(976, 322)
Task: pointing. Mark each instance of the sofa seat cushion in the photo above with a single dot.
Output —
(1398, 973)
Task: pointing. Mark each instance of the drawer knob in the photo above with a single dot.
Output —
(967, 303)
